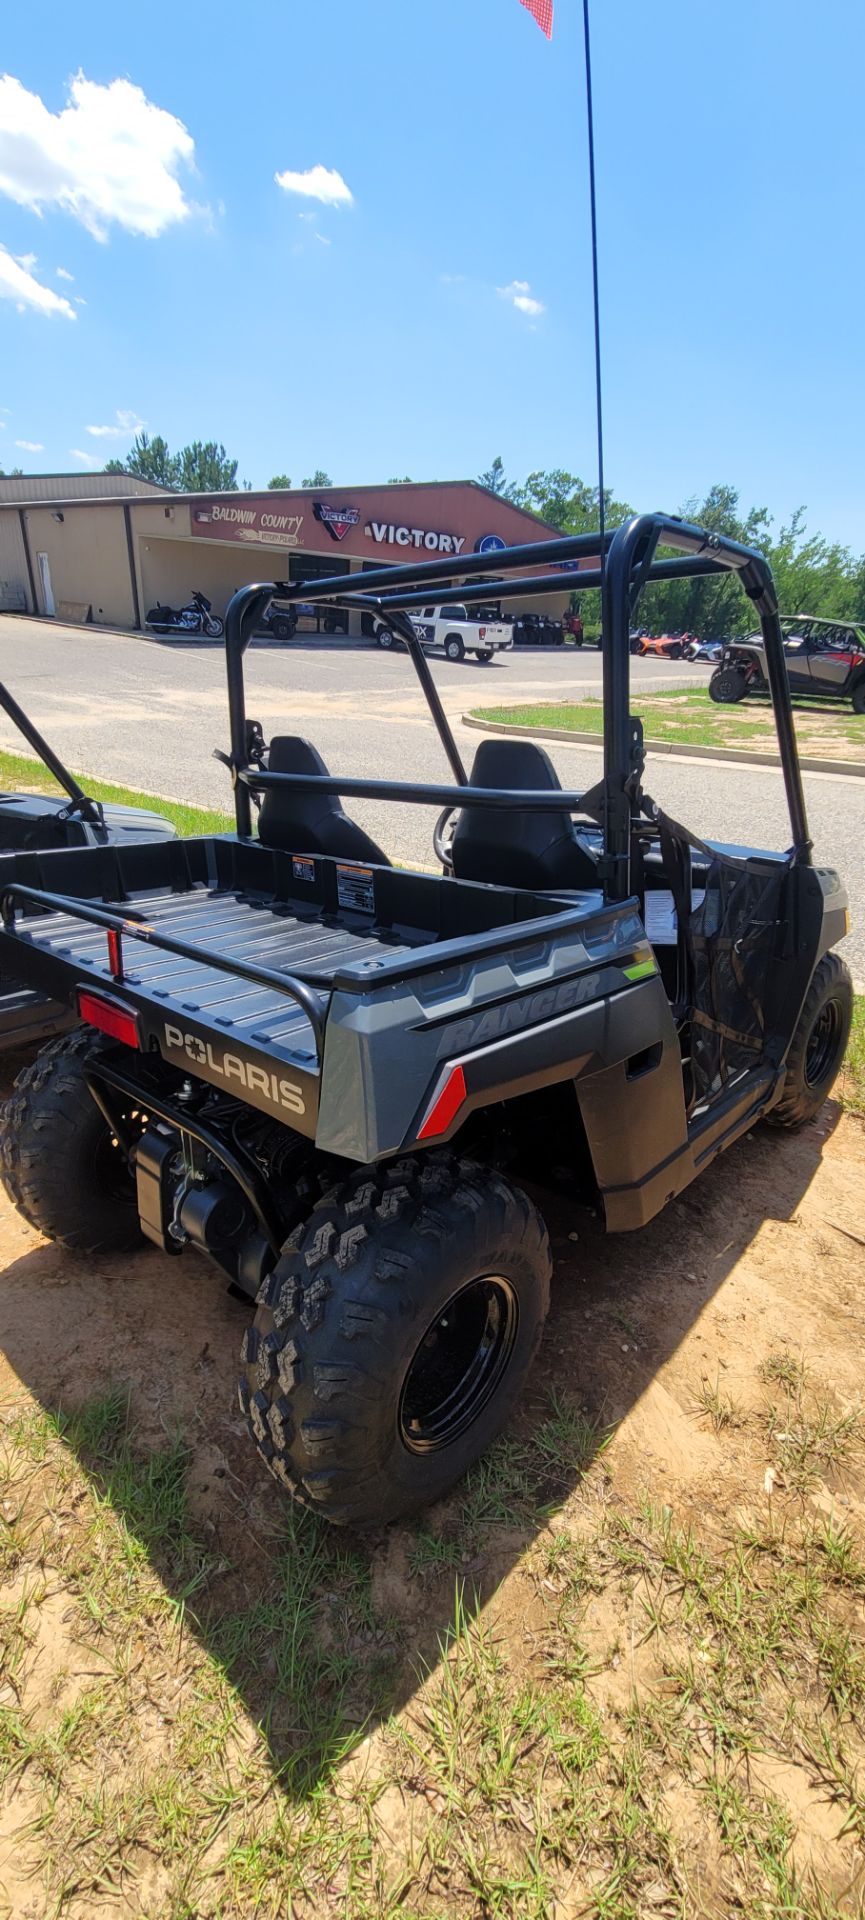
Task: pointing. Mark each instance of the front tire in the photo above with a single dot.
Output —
(384, 638)
(215, 627)
(727, 686)
(675, 652)
(394, 1336)
(858, 697)
(57, 1161)
(818, 1045)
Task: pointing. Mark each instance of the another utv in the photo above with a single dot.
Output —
(35, 823)
(825, 659)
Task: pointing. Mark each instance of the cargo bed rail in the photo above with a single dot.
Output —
(134, 926)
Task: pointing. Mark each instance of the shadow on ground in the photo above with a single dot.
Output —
(324, 1634)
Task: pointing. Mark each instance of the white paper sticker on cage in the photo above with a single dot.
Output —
(660, 918)
(355, 889)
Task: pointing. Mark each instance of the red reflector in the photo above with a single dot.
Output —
(115, 953)
(110, 1018)
(447, 1106)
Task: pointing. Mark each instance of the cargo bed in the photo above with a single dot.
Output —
(231, 951)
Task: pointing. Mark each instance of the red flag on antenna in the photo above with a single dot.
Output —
(543, 12)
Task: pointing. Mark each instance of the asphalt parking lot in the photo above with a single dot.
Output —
(149, 714)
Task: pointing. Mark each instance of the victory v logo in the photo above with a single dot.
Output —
(337, 520)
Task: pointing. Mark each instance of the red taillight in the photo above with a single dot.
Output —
(482, 633)
(118, 1022)
(446, 1106)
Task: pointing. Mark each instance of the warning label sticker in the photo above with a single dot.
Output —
(354, 889)
(302, 868)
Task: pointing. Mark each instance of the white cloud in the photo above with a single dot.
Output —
(90, 459)
(79, 299)
(322, 239)
(17, 284)
(63, 275)
(109, 155)
(520, 295)
(30, 446)
(126, 426)
(27, 261)
(318, 183)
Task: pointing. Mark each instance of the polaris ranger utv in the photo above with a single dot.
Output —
(327, 1073)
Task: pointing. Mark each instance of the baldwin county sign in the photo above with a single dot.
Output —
(260, 526)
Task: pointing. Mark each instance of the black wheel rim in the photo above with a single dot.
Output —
(823, 1041)
(459, 1364)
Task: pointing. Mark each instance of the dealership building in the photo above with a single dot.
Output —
(105, 548)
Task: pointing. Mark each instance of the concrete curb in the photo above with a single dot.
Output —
(847, 769)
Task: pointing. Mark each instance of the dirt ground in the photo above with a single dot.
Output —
(620, 1672)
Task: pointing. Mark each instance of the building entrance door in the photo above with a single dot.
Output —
(45, 578)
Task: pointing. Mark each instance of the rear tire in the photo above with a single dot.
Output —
(57, 1162)
(384, 638)
(727, 686)
(454, 647)
(858, 697)
(394, 1336)
(675, 652)
(485, 657)
(818, 1045)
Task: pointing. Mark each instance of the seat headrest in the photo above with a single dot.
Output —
(514, 763)
(290, 753)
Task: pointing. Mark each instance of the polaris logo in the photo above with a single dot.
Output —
(337, 520)
(231, 1069)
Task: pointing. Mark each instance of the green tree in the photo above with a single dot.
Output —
(149, 460)
(280, 480)
(400, 480)
(494, 478)
(204, 467)
(15, 473)
(318, 479)
(812, 574)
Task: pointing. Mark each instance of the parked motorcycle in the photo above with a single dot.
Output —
(196, 618)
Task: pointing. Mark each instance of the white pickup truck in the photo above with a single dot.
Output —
(453, 629)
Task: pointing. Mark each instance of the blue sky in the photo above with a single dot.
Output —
(396, 334)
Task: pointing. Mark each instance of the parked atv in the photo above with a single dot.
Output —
(187, 623)
(333, 1075)
(35, 823)
(825, 659)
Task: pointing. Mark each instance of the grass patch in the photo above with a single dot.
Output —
(851, 1085)
(687, 717)
(211, 1767)
(18, 773)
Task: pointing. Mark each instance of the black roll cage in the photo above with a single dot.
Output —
(627, 564)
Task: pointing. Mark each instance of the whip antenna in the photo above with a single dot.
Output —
(590, 119)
